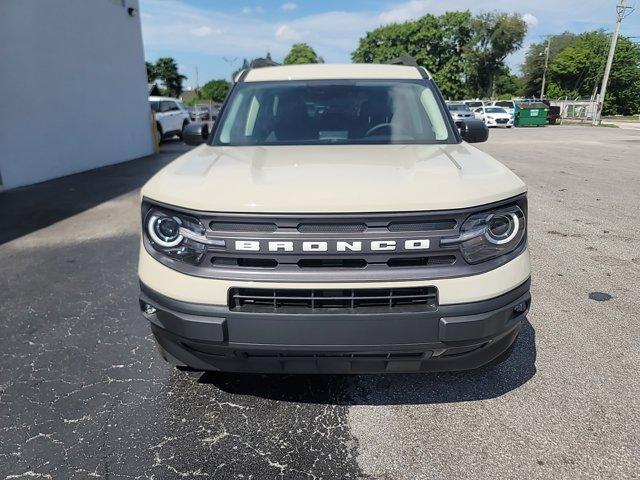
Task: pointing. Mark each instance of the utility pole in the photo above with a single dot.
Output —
(621, 13)
(546, 65)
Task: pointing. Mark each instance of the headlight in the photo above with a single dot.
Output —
(175, 235)
(488, 235)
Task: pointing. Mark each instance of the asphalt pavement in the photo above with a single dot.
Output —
(83, 393)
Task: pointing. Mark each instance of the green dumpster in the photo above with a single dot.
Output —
(531, 115)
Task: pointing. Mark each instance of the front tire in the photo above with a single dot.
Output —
(184, 125)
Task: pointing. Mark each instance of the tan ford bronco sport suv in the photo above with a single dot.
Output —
(335, 219)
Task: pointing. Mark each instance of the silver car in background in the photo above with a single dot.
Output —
(460, 111)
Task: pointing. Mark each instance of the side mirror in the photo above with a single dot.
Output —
(196, 133)
(473, 131)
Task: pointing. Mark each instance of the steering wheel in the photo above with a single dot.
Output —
(374, 129)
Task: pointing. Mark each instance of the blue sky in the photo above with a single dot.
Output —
(214, 35)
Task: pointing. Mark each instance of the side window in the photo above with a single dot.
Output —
(155, 106)
(165, 106)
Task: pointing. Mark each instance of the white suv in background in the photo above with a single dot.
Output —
(171, 116)
(508, 105)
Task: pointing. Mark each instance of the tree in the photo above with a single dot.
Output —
(152, 75)
(533, 66)
(214, 91)
(465, 53)
(302, 53)
(166, 70)
(507, 85)
(495, 36)
(436, 42)
(576, 71)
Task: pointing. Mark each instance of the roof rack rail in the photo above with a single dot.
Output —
(409, 61)
(263, 62)
(256, 63)
(406, 60)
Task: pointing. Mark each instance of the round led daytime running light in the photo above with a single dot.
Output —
(514, 228)
(153, 223)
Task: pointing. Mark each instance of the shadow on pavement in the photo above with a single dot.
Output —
(394, 389)
(27, 209)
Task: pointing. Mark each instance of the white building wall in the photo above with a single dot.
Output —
(73, 88)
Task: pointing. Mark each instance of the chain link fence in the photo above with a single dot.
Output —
(581, 111)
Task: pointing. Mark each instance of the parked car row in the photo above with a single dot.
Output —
(493, 115)
(507, 113)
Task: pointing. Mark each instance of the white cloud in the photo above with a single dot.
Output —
(285, 32)
(406, 11)
(251, 10)
(334, 34)
(289, 6)
(530, 19)
(205, 31)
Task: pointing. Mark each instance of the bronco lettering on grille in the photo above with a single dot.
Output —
(333, 246)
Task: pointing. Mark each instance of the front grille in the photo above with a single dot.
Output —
(332, 263)
(243, 227)
(333, 300)
(502, 120)
(421, 261)
(320, 262)
(372, 225)
(422, 226)
(332, 227)
(336, 247)
(344, 355)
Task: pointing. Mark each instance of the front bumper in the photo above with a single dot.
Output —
(493, 123)
(454, 337)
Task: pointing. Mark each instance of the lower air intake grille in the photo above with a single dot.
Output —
(333, 300)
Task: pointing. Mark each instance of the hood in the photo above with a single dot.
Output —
(333, 179)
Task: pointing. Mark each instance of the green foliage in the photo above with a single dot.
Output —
(464, 53)
(214, 91)
(152, 76)
(576, 67)
(533, 66)
(302, 53)
(166, 70)
(507, 85)
(437, 43)
(495, 35)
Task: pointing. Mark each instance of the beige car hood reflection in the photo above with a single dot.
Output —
(333, 179)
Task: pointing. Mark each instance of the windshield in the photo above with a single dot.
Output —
(336, 111)
(459, 108)
(504, 104)
(495, 110)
